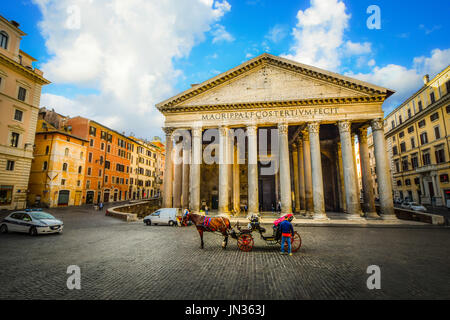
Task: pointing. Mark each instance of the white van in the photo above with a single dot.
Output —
(167, 216)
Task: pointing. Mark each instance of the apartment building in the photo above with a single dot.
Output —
(20, 93)
(418, 138)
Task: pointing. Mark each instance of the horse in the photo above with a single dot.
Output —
(209, 224)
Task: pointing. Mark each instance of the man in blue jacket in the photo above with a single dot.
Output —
(287, 232)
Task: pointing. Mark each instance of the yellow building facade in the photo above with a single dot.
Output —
(418, 140)
(20, 92)
(57, 172)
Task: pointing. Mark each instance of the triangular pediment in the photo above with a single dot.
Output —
(268, 79)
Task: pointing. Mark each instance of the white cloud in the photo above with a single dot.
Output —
(277, 33)
(319, 36)
(405, 81)
(125, 51)
(220, 34)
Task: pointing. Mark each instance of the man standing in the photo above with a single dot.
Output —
(287, 232)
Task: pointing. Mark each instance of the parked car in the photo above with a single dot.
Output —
(33, 222)
(413, 206)
(164, 216)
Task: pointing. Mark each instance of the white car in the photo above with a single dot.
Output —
(166, 216)
(413, 206)
(32, 222)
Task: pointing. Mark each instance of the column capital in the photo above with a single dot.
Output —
(294, 146)
(377, 124)
(299, 141)
(305, 135)
(362, 134)
(283, 128)
(168, 131)
(344, 126)
(252, 130)
(313, 127)
(196, 132)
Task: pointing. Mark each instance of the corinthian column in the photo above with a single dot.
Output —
(224, 134)
(195, 169)
(177, 175)
(186, 162)
(168, 170)
(301, 173)
(296, 179)
(316, 169)
(383, 171)
(236, 180)
(285, 171)
(253, 198)
(369, 199)
(351, 195)
(309, 205)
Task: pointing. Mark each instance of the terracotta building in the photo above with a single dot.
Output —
(108, 160)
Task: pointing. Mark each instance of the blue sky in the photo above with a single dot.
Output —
(124, 57)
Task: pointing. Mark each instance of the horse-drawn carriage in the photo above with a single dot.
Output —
(221, 225)
(245, 239)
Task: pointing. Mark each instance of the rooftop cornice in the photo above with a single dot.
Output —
(41, 80)
(268, 59)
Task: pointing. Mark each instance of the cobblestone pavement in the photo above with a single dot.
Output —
(120, 260)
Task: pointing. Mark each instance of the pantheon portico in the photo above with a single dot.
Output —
(278, 131)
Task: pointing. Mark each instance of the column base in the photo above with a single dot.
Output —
(388, 217)
(320, 216)
(372, 216)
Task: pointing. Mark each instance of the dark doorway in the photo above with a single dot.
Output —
(215, 202)
(63, 198)
(89, 197)
(430, 186)
(266, 193)
(106, 197)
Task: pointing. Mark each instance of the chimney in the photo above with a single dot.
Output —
(426, 79)
(15, 23)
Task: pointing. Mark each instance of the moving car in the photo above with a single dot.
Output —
(167, 216)
(33, 222)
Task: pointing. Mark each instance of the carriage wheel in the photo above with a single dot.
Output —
(245, 242)
(296, 243)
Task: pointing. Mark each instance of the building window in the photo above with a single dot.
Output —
(399, 183)
(100, 172)
(107, 165)
(22, 94)
(91, 142)
(448, 108)
(407, 182)
(400, 120)
(92, 131)
(63, 182)
(440, 155)
(88, 184)
(90, 157)
(10, 165)
(413, 143)
(394, 150)
(103, 135)
(420, 106)
(89, 171)
(397, 166)
(405, 164)
(423, 138)
(66, 152)
(392, 124)
(6, 195)
(416, 181)
(443, 178)
(411, 129)
(414, 161)
(4, 40)
(78, 183)
(64, 167)
(402, 147)
(106, 179)
(401, 134)
(18, 115)
(434, 116)
(80, 168)
(426, 159)
(108, 149)
(409, 113)
(432, 97)
(102, 147)
(15, 139)
(422, 123)
(44, 166)
(437, 132)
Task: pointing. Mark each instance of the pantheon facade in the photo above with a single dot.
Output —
(316, 116)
